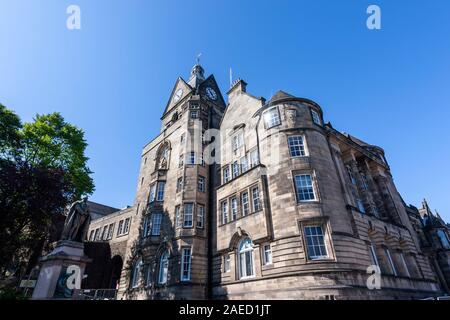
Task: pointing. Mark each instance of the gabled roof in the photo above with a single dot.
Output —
(210, 81)
(180, 83)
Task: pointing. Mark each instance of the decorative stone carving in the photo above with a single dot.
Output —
(291, 115)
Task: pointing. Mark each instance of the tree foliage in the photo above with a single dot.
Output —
(43, 168)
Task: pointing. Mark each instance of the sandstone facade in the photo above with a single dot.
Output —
(290, 209)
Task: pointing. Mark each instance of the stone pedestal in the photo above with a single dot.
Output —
(61, 271)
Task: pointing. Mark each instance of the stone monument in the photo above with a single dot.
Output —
(62, 270)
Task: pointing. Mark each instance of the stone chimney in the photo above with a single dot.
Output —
(237, 87)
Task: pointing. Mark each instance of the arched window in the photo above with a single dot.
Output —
(136, 274)
(163, 267)
(245, 257)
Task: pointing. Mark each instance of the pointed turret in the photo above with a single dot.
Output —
(197, 76)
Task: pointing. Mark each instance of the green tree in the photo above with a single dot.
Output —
(9, 133)
(51, 142)
(43, 168)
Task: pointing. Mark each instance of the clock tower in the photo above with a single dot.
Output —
(174, 199)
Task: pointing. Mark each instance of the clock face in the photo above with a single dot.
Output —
(178, 95)
(211, 94)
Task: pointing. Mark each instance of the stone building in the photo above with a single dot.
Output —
(106, 244)
(434, 237)
(275, 205)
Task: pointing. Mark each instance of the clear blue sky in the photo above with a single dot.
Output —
(113, 77)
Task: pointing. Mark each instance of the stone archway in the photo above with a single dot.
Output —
(116, 270)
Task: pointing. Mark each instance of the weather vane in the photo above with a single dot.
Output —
(198, 58)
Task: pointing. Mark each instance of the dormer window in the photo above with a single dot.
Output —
(272, 118)
(316, 117)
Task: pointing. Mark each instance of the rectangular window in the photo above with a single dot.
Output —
(254, 158)
(156, 224)
(152, 193)
(272, 118)
(443, 238)
(255, 199)
(201, 184)
(244, 164)
(234, 208)
(188, 215)
(97, 234)
(316, 117)
(186, 264)
(160, 191)
(373, 255)
(235, 169)
(226, 174)
(405, 266)
(202, 159)
(200, 216)
(191, 159)
(177, 217)
(110, 231)
(364, 182)
(315, 242)
(267, 254)
(304, 188)
(120, 228)
(105, 233)
(126, 226)
(350, 175)
(148, 274)
(147, 226)
(391, 263)
(194, 114)
(238, 141)
(224, 207)
(179, 184)
(182, 139)
(296, 146)
(360, 205)
(245, 204)
(181, 161)
(227, 263)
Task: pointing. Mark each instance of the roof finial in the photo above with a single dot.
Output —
(198, 58)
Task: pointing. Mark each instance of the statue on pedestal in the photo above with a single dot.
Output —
(62, 270)
(77, 221)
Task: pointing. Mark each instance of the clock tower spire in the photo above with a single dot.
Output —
(197, 74)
